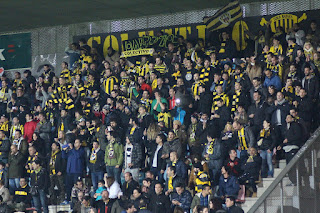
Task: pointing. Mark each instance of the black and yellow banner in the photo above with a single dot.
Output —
(224, 17)
(131, 53)
(147, 41)
(147, 38)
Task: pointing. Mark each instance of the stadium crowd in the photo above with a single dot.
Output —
(182, 130)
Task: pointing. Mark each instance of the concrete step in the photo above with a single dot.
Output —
(282, 164)
(57, 208)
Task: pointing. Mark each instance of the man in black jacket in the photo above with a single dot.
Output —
(22, 197)
(173, 180)
(157, 164)
(39, 184)
(4, 147)
(129, 185)
(231, 205)
(56, 168)
(293, 139)
(96, 164)
(305, 107)
(222, 115)
(204, 100)
(310, 84)
(106, 205)
(159, 202)
(256, 113)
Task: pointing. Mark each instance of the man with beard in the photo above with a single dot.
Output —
(172, 144)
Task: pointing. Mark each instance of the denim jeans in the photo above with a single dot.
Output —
(112, 171)
(40, 200)
(242, 155)
(267, 166)
(14, 183)
(95, 178)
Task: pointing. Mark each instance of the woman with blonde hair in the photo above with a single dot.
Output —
(308, 51)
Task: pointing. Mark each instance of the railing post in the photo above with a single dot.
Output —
(314, 178)
(298, 186)
(281, 195)
(265, 206)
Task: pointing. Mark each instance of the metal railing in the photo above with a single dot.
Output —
(296, 188)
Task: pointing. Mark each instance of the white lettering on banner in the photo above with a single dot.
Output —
(1, 55)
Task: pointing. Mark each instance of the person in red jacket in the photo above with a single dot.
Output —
(29, 127)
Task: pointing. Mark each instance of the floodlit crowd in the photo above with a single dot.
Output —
(181, 130)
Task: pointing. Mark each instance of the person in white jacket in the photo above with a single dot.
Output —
(113, 187)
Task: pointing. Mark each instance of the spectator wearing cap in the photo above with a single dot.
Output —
(228, 184)
(56, 168)
(96, 164)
